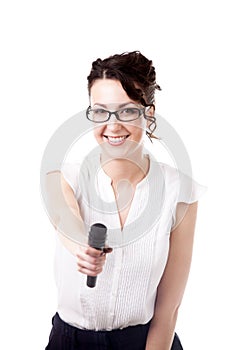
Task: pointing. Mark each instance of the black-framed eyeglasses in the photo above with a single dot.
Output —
(100, 115)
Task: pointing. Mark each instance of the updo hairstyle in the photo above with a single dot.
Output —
(137, 76)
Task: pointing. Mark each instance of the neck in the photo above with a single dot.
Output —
(133, 169)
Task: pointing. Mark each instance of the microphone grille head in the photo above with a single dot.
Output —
(97, 236)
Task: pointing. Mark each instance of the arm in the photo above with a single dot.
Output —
(63, 210)
(64, 213)
(172, 285)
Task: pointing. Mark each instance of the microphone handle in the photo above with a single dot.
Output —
(91, 280)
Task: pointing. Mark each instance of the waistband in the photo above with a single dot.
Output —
(69, 330)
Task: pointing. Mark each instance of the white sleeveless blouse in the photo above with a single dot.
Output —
(125, 291)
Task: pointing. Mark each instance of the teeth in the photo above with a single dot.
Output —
(116, 139)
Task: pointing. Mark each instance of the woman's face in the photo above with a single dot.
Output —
(108, 94)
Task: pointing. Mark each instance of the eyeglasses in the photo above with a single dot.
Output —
(100, 115)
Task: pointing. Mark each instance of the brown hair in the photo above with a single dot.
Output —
(136, 74)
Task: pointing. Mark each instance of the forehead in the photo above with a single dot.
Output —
(108, 91)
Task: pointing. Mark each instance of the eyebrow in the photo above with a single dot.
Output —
(119, 106)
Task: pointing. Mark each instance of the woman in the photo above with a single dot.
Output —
(150, 212)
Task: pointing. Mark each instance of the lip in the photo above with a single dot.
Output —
(116, 140)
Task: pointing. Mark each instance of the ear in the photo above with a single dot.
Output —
(150, 111)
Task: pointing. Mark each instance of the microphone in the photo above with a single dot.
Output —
(96, 239)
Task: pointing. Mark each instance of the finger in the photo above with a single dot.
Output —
(87, 271)
(107, 250)
(94, 266)
(95, 253)
(91, 260)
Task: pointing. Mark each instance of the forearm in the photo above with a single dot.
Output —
(161, 332)
(64, 213)
(71, 225)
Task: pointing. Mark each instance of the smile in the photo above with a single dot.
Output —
(116, 140)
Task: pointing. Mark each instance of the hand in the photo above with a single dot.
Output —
(91, 261)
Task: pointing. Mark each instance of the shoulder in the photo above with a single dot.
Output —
(78, 174)
(170, 173)
(171, 176)
(182, 187)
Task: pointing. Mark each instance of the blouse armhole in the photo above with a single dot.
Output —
(189, 192)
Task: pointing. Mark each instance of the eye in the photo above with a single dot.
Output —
(98, 115)
(129, 111)
(98, 111)
(129, 114)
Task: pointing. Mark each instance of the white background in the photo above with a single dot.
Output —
(46, 52)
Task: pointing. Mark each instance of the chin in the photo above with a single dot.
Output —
(128, 150)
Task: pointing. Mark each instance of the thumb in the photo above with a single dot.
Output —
(107, 250)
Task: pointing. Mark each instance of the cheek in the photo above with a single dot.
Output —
(140, 124)
(98, 131)
(139, 129)
(140, 134)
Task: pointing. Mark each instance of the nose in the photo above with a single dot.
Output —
(113, 124)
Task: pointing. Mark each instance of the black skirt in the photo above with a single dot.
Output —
(66, 337)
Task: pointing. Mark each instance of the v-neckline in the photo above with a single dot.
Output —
(132, 204)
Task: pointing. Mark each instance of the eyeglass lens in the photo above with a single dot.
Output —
(101, 115)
